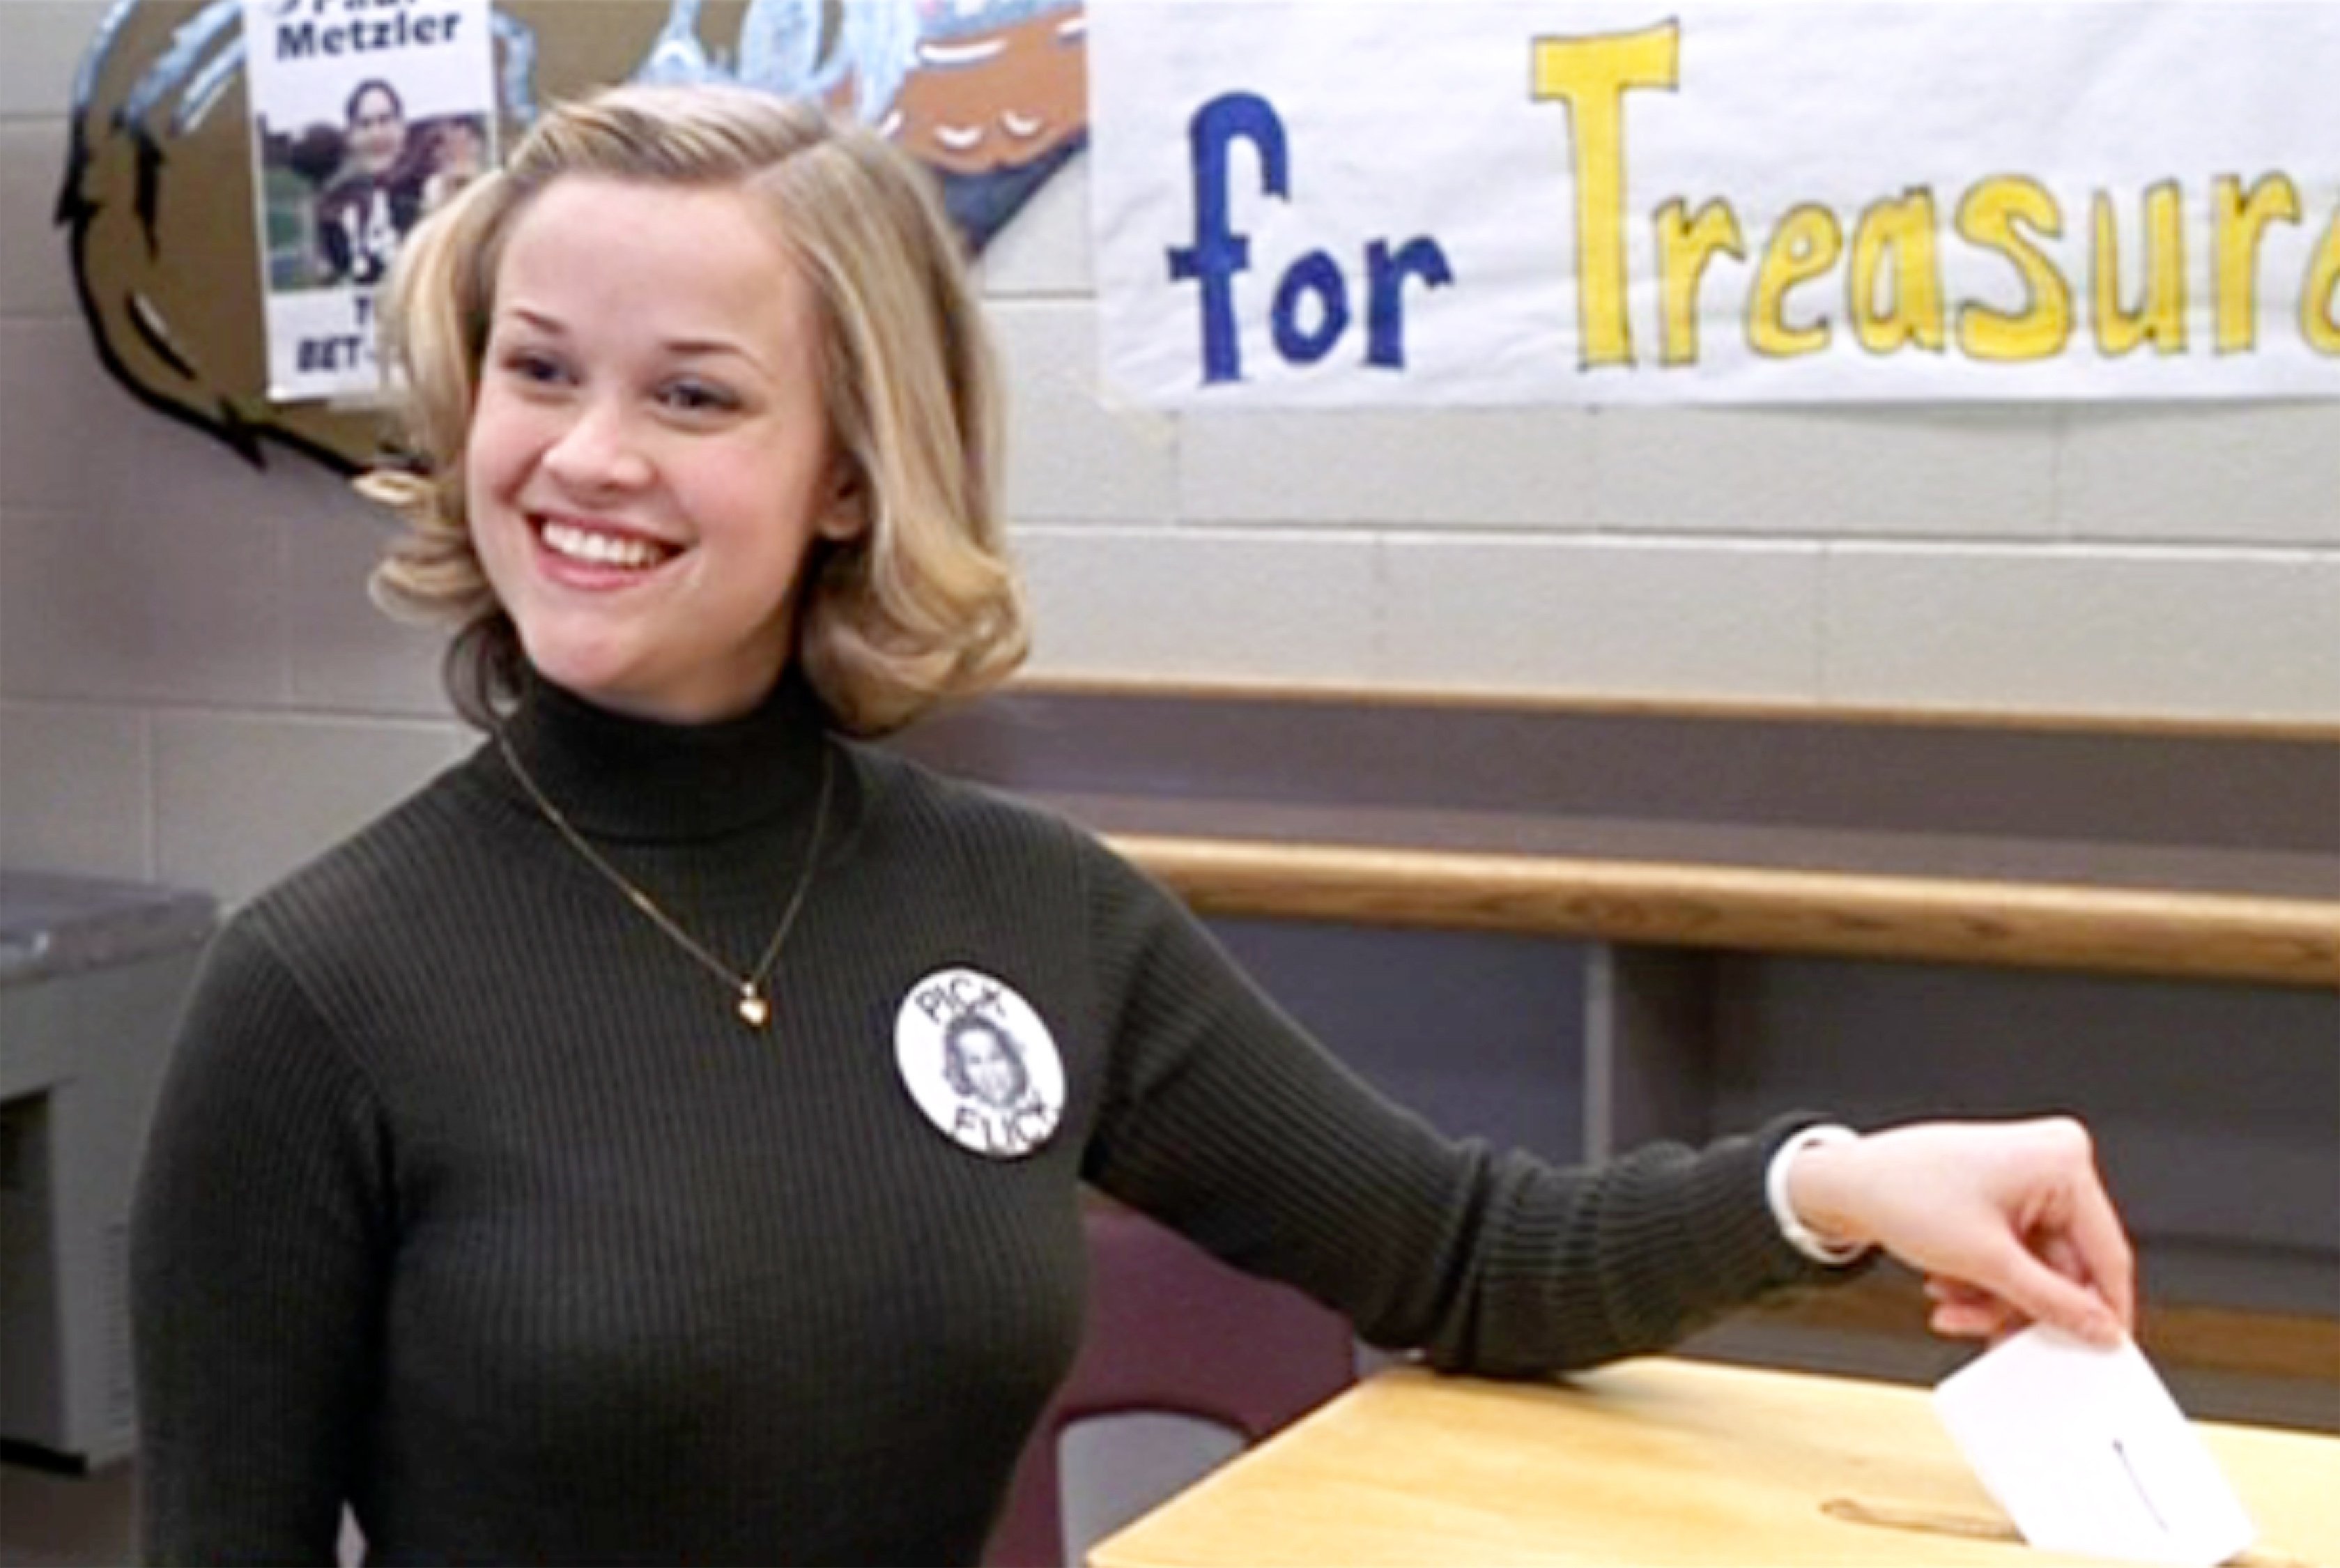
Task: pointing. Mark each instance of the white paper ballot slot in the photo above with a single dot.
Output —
(2088, 1454)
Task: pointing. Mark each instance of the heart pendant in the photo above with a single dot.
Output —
(754, 1010)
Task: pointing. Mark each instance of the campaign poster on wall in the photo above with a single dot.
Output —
(1314, 203)
(366, 115)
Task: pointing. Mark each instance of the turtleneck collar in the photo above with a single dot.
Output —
(620, 778)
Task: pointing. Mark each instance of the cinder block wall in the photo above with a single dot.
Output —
(193, 689)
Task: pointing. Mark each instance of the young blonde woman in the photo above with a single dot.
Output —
(568, 1167)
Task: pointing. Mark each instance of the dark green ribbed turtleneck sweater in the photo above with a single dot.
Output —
(472, 1202)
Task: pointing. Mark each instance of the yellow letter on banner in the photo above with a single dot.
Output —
(1896, 239)
(1685, 245)
(1991, 214)
(2319, 297)
(1807, 244)
(2160, 315)
(1591, 76)
(2238, 222)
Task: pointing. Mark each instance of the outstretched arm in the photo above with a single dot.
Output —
(1222, 1118)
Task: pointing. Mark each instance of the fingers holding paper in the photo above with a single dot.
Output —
(2010, 1222)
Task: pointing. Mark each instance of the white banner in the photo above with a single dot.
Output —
(365, 114)
(1356, 202)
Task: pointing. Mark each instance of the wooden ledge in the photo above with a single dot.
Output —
(2186, 851)
(2204, 935)
(2193, 1337)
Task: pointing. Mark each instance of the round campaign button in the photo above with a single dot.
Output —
(980, 1063)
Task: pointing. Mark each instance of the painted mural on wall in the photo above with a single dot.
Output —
(157, 199)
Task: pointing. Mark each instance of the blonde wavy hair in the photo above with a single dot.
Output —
(924, 604)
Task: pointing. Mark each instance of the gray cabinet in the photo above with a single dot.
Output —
(92, 978)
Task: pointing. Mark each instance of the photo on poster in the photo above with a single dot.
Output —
(365, 118)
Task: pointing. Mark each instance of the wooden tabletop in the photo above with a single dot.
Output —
(1653, 1462)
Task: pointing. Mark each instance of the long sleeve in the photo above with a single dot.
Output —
(1223, 1119)
(258, 1241)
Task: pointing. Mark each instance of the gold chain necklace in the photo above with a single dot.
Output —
(755, 1005)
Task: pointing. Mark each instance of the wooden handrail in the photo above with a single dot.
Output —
(2214, 935)
(1490, 699)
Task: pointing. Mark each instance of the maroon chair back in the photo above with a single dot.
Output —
(1172, 1329)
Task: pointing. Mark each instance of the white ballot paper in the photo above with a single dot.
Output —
(2088, 1454)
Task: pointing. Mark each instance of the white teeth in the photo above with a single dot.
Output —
(600, 549)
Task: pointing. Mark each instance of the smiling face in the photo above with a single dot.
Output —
(990, 1066)
(377, 130)
(648, 459)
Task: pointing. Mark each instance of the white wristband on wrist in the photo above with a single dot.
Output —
(1798, 1234)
